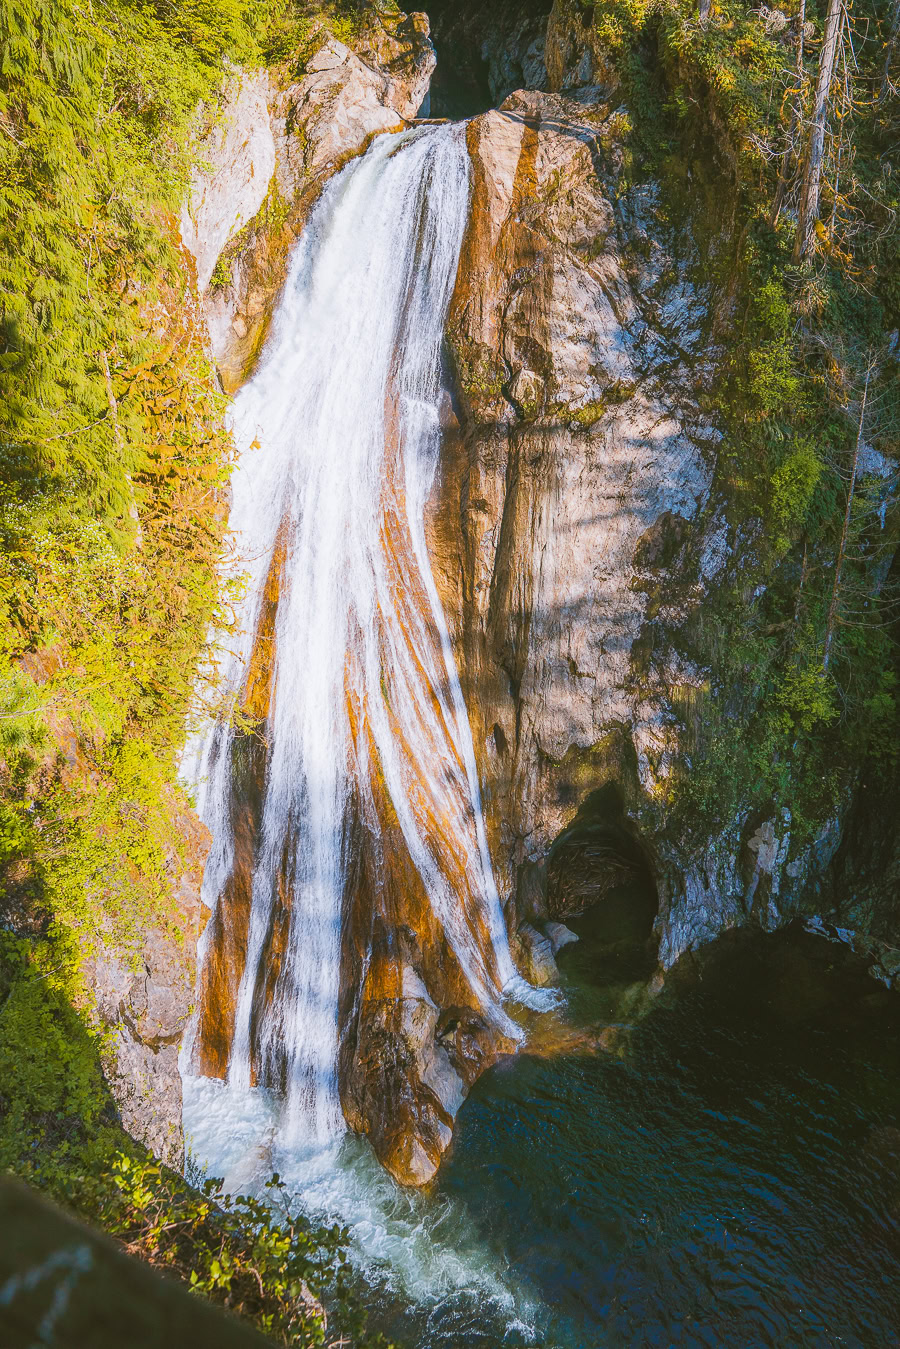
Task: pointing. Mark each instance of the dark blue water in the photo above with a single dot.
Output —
(718, 1165)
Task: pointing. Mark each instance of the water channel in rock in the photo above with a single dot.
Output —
(716, 1165)
(711, 1161)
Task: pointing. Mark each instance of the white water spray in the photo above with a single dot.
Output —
(338, 434)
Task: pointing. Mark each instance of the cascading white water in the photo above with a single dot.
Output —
(338, 435)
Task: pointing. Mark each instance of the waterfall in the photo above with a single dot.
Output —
(343, 659)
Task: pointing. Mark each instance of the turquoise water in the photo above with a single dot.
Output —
(715, 1165)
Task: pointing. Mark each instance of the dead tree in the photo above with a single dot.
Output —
(815, 152)
(796, 119)
(890, 47)
(831, 619)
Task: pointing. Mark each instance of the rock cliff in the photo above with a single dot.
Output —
(576, 530)
(571, 524)
(279, 138)
(144, 1004)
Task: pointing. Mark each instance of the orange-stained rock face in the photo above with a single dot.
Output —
(413, 1035)
(559, 455)
(225, 940)
(570, 447)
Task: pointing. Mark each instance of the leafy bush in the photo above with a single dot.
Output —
(60, 1131)
(793, 483)
(252, 1257)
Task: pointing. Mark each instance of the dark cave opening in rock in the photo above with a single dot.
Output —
(599, 866)
(484, 53)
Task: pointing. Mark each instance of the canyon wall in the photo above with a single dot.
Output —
(577, 529)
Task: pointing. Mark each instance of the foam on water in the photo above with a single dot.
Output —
(406, 1243)
(338, 435)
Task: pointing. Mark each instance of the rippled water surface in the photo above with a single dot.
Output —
(715, 1165)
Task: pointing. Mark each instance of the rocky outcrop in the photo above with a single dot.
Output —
(279, 138)
(144, 1002)
(572, 496)
(575, 534)
(575, 52)
(408, 1068)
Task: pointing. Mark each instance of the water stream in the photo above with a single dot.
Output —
(715, 1166)
(657, 1181)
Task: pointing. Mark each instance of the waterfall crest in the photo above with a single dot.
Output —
(362, 743)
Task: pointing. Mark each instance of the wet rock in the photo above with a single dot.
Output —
(614, 1040)
(410, 1069)
(559, 936)
(534, 956)
(766, 853)
(527, 392)
(277, 142)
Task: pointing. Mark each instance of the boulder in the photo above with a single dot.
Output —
(145, 1004)
(408, 1068)
(559, 936)
(533, 954)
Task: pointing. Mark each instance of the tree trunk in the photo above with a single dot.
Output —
(890, 45)
(703, 10)
(839, 564)
(799, 599)
(117, 436)
(815, 154)
(796, 119)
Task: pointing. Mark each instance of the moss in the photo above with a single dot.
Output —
(221, 276)
(611, 759)
(479, 371)
(583, 418)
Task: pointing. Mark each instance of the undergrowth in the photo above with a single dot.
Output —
(114, 466)
(801, 675)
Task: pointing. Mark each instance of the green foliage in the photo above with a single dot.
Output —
(96, 105)
(113, 467)
(771, 385)
(55, 1111)
(252, 1256)
(804, 700)
(588, 415)
(777, 730)
(58, 1129)
(793, 483)
(882, 709)
(728, 67)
